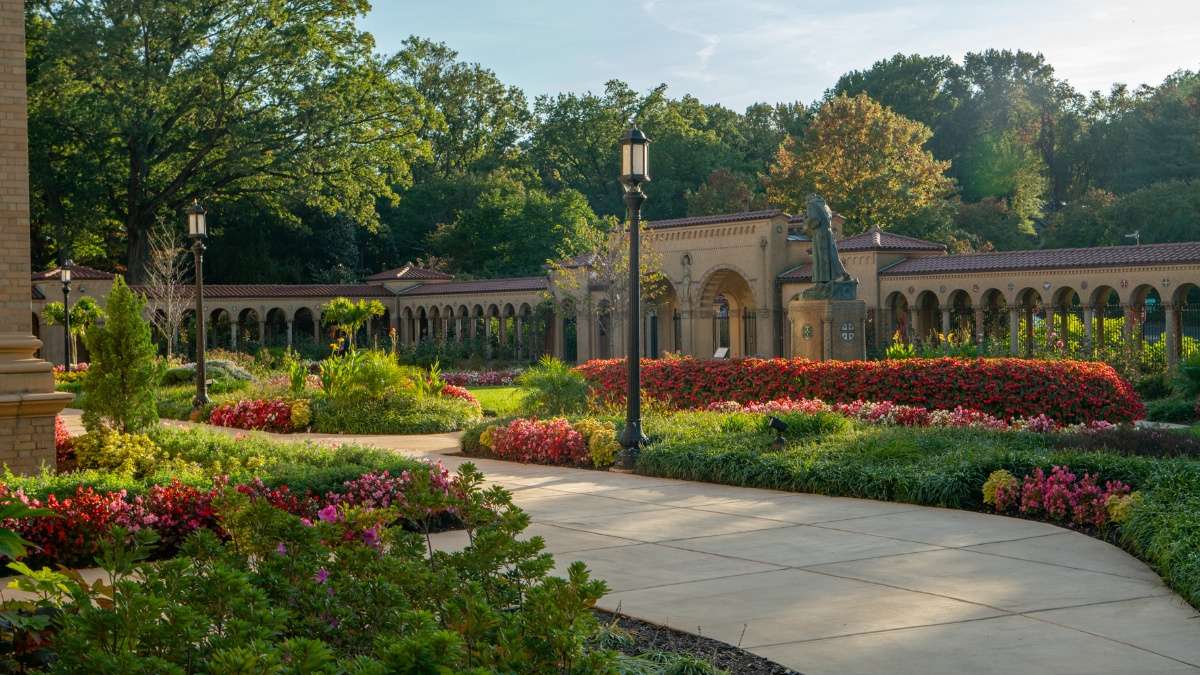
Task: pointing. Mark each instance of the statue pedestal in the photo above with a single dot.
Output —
(828, 329)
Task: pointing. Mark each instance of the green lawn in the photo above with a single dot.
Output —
(497, 401)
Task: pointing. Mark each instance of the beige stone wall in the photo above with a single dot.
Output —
(28, 443)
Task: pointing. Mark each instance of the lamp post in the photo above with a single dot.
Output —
(634, 172)
(197, 230)
(68, 356)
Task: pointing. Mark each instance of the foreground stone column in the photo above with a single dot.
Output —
(28, 402)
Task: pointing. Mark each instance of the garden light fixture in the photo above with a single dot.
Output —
(635, 163)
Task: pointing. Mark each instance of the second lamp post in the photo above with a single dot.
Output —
(68, 353)
(197, 230)
(635, 171)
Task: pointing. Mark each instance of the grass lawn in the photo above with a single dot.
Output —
(497, 401)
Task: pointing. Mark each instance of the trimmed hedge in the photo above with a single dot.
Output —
(1068, 392)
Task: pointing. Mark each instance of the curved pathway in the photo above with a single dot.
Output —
(835, 585)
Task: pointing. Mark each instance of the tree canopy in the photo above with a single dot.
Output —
(322, 160)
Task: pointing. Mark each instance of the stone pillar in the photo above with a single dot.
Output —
(262, 331)
(945, 320)
(1014, 331)
(459, 326)
(1171, 318)
(316, 313)
(979, 320)
(518, 338)
(445, 329)
(289, 333)
(487, 336)
(560, 345)
(1050, 328)
(914, 334)
(1029, 331)
(233, 331)
(28, 402)
(1127, 325)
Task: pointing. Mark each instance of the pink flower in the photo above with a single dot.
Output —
(281, 549)
(321, 576)
(328, 514)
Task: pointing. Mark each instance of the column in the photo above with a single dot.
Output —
(1050, 328)
(1171, 317)
(1029, 331)
(316, 314)
(262, 331)
(233, 331)
(487, 336)
(1127, 325)
(979, 327)
(1089, 319)
(914, 334)
(289, 333)
(459, 325)
(28, 401)
(519, 339)
(946, 320)
(1014, 331)
(445, 328)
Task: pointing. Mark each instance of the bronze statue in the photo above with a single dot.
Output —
(830, 279)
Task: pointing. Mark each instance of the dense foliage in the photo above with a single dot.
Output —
(1065, 391)
(122, 373)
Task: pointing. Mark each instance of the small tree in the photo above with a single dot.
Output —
(605, 266)
(166, 275)
(119, 388)
(348, 316)
(85, 313)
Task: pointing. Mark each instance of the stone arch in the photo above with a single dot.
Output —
(1066, 317)
(900, 327)
(1186, 314)
(249, 327)
(1031, 304)
(604, 330)
(1147, 317)
(568, 324)
(993, 326)
(962, 313)
(728, 298)
(220, 327)
(663, 326)
(928, 316)
(275, 327)
(305, 327)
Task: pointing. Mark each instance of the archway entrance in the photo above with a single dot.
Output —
(727, 298)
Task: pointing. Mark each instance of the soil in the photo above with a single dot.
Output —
(652, 637)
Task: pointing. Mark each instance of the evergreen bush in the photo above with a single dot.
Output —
(123, 373)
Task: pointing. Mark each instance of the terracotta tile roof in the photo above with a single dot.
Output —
(1101, 256)
(410, 272)
(286, 291)
(512, 284)
(78, 273)
(797, 273)
(879, 240)
(714, 220)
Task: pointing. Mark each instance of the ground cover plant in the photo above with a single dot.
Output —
(1065, 391)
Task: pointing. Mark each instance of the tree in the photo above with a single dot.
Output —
(119, 387)
(514, 227)
(1162, 212)
(724, 192)
(166, 274)
(604, 266)
(85, 314)
(868, 162)
(284, 100)
(348, 316)
(922, 88)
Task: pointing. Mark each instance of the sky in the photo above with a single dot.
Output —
(741, 52)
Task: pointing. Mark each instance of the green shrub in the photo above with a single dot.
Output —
(1188, 381)
(134, 455)
(123, 370)
(1176, 409)
(803, 425)
(552, 388)
(601, 439)
(395, 412)
(365, 373)
(216, 370)
(1155, 385)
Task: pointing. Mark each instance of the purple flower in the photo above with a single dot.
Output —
(328, 514)
(281, 549)
(370, 536)
(321, 576)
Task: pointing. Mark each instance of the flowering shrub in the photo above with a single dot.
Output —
(310, 381)
(999, 481)
(261, 414)
(1060, 496)
(1120, 507)
(455, 391)
(174, 510)
(552, 441)
(481, 378)
(77, 373)
(893, 414)
(64, 445)
(1067, 391)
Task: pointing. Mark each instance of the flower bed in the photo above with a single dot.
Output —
(585, 442)
(481, 378)
(895, 414)
(455, 391)
(1066, 391)
(175, 510)
(260, 415)
(1060, 496)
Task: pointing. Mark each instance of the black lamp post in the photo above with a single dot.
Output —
(68, 355)
(197, 230)
(635, 170)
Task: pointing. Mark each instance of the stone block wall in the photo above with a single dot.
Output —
(29, 443)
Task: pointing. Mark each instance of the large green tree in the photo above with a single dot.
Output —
(868, 162)
(175, 100)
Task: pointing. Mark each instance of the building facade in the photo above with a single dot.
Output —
(729, 280)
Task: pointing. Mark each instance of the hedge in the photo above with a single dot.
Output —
(1069, 392)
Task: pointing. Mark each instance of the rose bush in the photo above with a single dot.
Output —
(1065, 391)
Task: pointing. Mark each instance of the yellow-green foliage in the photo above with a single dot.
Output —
(601, 441)
(126, 454)
(995, 481)
(1120, 508)
(301, 414)
(485, 439)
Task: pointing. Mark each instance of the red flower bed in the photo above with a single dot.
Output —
(454, 391)
(72, 537)
(1066, 391)
(64, 446)
(541, 441)
(259, 415)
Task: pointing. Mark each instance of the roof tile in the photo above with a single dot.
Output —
(78, 273)
(1100, 256)
(410, 272)
(481, 286)
(714, 220)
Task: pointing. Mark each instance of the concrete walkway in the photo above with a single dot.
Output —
(834, 585)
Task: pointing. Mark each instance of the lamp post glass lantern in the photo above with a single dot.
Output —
(635, 171)
(197, 230)
(68, 355)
